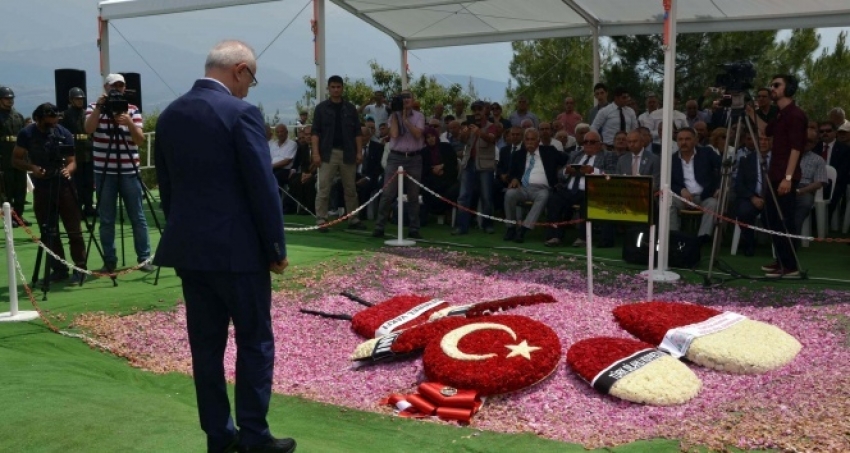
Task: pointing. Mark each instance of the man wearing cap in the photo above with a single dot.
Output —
(74, 119)
(14, 181)
(38, 151)
(116, 138)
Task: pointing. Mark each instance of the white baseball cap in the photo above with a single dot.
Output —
(113, 78)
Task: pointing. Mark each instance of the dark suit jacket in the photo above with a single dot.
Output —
(222, 209)
(447, 157)
(706, 172)
(747, 180)
(650, 165)
(372, 165)
(505, 158)
(552, 160)
(840, 160)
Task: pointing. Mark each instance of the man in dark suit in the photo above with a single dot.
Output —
(571, 192)
(695, 176)
(503, 167)
(533, 175)
(639, 161)
(223, 234)
(836, 155)
(749, 191)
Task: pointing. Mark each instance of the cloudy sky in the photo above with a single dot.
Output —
(38, 25)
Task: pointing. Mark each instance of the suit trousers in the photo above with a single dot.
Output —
(706, 225)
(746, 212)
(536, 193)
(560, 208)
(213, 299)
(413, 168)
(346, 173)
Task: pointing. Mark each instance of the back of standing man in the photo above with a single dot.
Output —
(336, 151)
(224, 234)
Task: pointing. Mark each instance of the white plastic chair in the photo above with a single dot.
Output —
(821, 207)
(845, 227)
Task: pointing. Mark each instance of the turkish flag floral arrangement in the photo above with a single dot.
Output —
(633, 371)
(724, 341)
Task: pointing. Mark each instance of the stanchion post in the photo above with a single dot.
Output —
(652, 249)
(589, 243)
(13, 314)
(400, 241)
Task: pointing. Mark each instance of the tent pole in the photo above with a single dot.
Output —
(319, 23)
(661, 273)
(402, 46)
(103, 45)
(596, 63)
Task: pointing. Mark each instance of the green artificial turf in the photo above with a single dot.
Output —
(59, 395)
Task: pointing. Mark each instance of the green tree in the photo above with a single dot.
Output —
(825, 82)
(547, 70)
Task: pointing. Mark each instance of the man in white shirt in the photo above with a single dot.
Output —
(282, 151)
(651, 105)
(378, 109)
(679, 119)
(615, 117)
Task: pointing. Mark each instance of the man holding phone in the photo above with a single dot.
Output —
(477, 167)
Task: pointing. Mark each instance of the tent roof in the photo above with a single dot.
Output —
(438, 23)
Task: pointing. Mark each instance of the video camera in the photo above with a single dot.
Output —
(116, 103)
(56, 150)
(397, 102)
(737, 79)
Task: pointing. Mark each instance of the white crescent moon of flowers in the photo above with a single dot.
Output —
(450, 341)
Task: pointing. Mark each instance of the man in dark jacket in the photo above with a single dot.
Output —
(696, 178)
(337, 150)
(74, 120)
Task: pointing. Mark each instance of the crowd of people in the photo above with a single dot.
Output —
(491, 161)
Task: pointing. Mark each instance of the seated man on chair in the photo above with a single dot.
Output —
(749, 191)
(696, 178)
(812, 178)
(589, 160)
(532, 177)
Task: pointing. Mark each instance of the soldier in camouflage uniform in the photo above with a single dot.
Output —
(14, 181)
(74, 120)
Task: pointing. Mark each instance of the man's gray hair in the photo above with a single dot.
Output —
(531, 130)
(229, 53)
(837, 111)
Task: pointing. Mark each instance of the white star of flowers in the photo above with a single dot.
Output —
(522, 349)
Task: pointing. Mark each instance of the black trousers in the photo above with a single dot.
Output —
(84, 180)
(560, 208)
(746, 212)
(787, 204)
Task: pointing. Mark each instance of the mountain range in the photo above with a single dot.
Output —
(166, 72)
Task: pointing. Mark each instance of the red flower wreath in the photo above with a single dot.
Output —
(494, 354)
(366, 322)
(650, 321)
(589, 357)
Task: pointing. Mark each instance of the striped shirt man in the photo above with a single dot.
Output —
(122, 157)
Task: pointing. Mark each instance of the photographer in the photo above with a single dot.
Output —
(116, 129)
(406, 141)
(46, 149)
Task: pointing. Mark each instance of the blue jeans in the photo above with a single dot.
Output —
(130, 188)
(473, 181)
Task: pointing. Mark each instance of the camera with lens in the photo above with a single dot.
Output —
(116, 103)
(55, 151)
(397, 103)
(737, 79)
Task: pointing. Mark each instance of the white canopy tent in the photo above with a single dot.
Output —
(418, 24)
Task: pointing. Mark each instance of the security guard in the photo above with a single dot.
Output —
(74, 119)
(14, 181)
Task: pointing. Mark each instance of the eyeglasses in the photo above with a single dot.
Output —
(592, 142)
(776, 85)
(254, 82)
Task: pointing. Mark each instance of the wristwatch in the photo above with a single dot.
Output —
(787, 177)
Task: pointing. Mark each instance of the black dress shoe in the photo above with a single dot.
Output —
(414, 234)
(520, 236)
(271, 446)
(510, 234)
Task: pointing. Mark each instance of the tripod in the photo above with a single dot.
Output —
(117, 138)
(50, 230)
(729, 165)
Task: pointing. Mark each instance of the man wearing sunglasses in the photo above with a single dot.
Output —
(836, 155)
(789, 132)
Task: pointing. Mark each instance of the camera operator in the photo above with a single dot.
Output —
(406, 142)
(38, 150)
(74, 119)
(116, 137)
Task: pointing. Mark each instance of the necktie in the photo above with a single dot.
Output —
(762, 171)
(636, 165)
(527, 174)
(826, 152)
(622, 120)
(577, 178)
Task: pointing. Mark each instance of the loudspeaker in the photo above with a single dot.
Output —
(133, 92)
(683, 250)
(64, 80)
